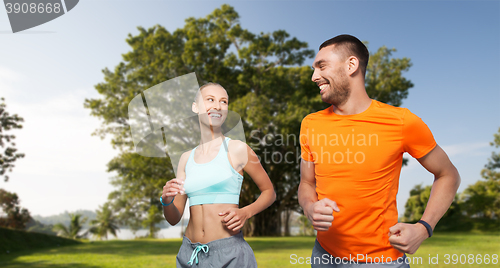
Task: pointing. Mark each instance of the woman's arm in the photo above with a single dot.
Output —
(175, 188)
(235, 218)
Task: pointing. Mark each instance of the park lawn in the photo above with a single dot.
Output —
(269, 251)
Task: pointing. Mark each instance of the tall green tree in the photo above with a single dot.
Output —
(267, 86)
(478, 206)
(482, 199)
(14, 216)
(139, 184)
(105, 222)
(416, 203)
(384, 77)
(8, 154)
(74, 228)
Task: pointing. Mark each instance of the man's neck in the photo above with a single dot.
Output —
(357, 103)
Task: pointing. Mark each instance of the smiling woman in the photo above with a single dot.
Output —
(210, 176)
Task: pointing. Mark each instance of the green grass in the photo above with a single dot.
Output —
(15, 240)
(270, 252)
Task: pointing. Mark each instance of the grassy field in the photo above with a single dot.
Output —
(270, 252)
(15, 240)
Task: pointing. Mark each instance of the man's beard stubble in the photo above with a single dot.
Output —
(339, 90)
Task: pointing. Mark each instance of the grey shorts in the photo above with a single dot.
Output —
(228, 252)
(320, 258)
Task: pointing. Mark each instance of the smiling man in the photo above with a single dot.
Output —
(352, 154)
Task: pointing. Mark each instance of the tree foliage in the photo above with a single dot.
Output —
(139, 185)
(478, 204)
(267, 86)
(416, 203)
(74, 228)
(384, 80)
(306, 227)
(482, 199)
(37, 227)
(14, 216)
(9, 154)
(105, 222)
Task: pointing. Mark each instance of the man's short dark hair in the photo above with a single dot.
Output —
(348, 45)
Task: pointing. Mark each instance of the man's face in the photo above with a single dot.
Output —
(330, 76)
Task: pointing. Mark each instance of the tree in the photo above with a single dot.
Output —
(139, 181)
(38, 227)
(268, 87)
(306, 227)
(9, 155)
(74, 228)
(104, 223)
(478, 206)
(15, 216)
(482, 199)
(416, 203)
(384, 80)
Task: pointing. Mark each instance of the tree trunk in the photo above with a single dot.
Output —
(287, 213)
(267, 223)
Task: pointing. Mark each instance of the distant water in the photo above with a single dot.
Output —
(171, 232)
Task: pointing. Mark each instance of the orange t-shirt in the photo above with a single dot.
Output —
(357, 161)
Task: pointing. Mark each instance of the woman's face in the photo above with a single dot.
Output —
(212, 105)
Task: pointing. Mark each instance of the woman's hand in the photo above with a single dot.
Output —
(235, 218)
(171, 189)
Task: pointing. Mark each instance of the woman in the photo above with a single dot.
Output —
(210, 175)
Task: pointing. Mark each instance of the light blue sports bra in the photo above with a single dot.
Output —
(215, 182)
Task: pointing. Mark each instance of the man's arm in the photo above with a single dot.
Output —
(320, 213)
(408, 237)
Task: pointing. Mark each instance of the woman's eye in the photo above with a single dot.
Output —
(210, 99)
(225, 102)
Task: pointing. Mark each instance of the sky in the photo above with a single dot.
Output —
(48, 71)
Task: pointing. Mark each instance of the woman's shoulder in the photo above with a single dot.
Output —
(237, 146)
(184, 157)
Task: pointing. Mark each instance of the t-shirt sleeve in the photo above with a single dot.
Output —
(417, 137)
(303, 139)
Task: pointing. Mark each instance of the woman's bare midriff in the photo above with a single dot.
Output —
(206, 225)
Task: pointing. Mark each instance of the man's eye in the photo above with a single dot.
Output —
(225, 102)
(210, 99)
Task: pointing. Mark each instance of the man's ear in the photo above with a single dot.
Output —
(194, 107)
(352, 65)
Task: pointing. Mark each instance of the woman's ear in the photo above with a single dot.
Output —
(194, 107)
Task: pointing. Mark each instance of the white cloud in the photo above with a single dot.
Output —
(454, 151)
(7, 78)
(462, 149)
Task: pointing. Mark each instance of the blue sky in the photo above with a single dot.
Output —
(46, 73)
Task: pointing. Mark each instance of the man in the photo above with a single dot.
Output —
(351, 160)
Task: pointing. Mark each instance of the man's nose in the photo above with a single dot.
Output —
(315, 76)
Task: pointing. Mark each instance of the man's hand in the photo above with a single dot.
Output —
(320, 214)
(407, 237)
